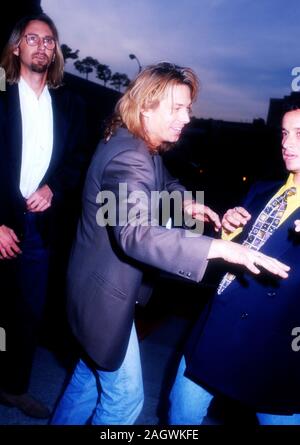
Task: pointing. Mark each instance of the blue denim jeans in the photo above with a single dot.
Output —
(100, 397)
(189, 403)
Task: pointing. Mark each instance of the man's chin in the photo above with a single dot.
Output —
(36, 68)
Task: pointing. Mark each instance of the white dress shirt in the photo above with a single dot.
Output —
(37, 136)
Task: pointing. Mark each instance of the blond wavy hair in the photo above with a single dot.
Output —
(145, 92)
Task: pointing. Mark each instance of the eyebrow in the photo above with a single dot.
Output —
(36, 34)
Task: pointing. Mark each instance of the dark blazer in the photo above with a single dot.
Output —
(67, 161)
(108, 263)
(241, 346)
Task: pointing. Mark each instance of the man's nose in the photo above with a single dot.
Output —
(288, 141)
(41, 44)
(185, 116)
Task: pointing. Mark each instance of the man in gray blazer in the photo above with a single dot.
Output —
(119, 238)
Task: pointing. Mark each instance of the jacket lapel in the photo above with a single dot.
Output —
(59, 127)
(282, 239)
(14, 132)
(256, 205)
(158, 167)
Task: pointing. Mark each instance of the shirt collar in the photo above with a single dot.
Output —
(290, 182)
(26, 89)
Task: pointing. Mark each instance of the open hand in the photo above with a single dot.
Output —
(238, 254)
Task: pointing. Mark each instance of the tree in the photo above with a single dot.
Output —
(119, 79)
(103, 73)
(68, 53)
(86, 65)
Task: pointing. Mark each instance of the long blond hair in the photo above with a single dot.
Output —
(145, 92)
(11, 63)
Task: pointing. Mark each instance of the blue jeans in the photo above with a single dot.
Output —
(100, 397)
(190, 403)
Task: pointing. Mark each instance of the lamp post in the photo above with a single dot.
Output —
(133, 56)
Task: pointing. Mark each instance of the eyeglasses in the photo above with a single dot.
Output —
(34, 40)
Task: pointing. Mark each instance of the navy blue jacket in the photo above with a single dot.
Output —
(242, 344)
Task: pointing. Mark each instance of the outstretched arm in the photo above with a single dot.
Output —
(239, 254)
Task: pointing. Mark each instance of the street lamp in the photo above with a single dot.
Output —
(133, 56)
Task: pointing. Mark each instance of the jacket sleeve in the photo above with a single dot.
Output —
(137, 232)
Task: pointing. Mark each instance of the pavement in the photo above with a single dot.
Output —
(162, 327)
(157, 354)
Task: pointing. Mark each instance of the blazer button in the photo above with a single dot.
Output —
(188, 274)
(244, 315)
(181, 272)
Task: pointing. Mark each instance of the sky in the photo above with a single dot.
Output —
(242, 50)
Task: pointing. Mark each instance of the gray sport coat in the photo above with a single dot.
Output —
(108, 262)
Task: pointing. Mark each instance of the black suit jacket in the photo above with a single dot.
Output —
(67, 161)
(242, 344)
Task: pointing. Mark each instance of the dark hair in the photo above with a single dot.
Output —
(11, 63)
(290, 106)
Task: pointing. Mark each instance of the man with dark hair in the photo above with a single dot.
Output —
(121, 240)
(41, 132)
(246, 343)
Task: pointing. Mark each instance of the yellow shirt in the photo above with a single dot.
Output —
(292, 204)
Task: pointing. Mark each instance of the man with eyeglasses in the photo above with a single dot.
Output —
(41, 132)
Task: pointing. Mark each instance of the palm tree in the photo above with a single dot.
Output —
(86, 65)
(103, 73)
(68, 53)
(119, 79)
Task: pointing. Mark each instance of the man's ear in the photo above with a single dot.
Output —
(16, 51)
